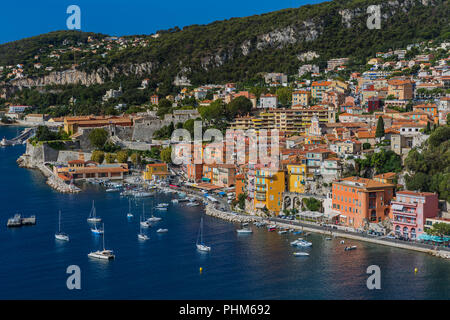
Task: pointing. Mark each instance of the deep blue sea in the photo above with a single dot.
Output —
(257, 266)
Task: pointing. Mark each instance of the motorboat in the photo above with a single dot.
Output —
(244, 231)
(350, 248)
(142, 236)
(298, 232)
(301, 254)
(304, 243)
(162, 205)
(283, 231)
(161, 208)
(162, 230)
(272, 228)
(154, 219)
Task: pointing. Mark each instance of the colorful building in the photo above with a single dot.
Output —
(318, 88)
(360, 201)
(410, 210)
(400, 89)
(239, 185)
(155, 172)
(269, 188)
(80, 169)
(296, 177)
(301, 97)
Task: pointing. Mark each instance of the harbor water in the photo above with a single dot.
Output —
(254, 266)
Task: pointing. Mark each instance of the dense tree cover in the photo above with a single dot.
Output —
(122, 156)
(439, 229)
(136, 158)
(110, 158)
(377, 163)
(98, 137)
(238, 107)
(166, 155)
(312, 204)
(43, 133)
(429, 167)
(98, 156)
(284, 96)
(165, 132)
(22, 50)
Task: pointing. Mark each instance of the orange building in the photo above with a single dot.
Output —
(80, 169)
(239, 185)
(360, 201)
(400, 89)
(194, 172)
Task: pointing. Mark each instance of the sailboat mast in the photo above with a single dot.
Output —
(103, 237)
(201, 231)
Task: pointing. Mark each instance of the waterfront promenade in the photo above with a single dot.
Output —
(440, 251)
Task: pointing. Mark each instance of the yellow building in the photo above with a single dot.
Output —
(296, 177)
(269, 188)
(155, 171)
(301, 97)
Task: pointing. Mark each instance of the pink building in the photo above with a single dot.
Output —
(409, 211)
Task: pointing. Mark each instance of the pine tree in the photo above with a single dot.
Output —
(379, 133)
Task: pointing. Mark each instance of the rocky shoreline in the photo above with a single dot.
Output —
(25, 161)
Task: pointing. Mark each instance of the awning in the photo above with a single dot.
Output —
(342, 216)
(397, 207)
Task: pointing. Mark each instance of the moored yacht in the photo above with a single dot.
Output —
(93, 215)
(61, 235)
(102, 254)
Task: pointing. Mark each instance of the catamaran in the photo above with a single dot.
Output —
(102, 254)
(61, 235)
(129, 214)
(200, 245)
(92, 215)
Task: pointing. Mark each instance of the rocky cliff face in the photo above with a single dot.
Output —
(74, 76)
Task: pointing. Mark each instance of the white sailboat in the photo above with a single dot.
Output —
(96, 230)
(129, 214)
(141, 234)
(102, 254)
(61, 235)
(144, 223)
(200, 245)
(93, 215)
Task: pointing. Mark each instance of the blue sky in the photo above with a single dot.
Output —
(22, 19)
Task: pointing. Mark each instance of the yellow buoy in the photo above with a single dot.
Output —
(415, 270)
(201, 269)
